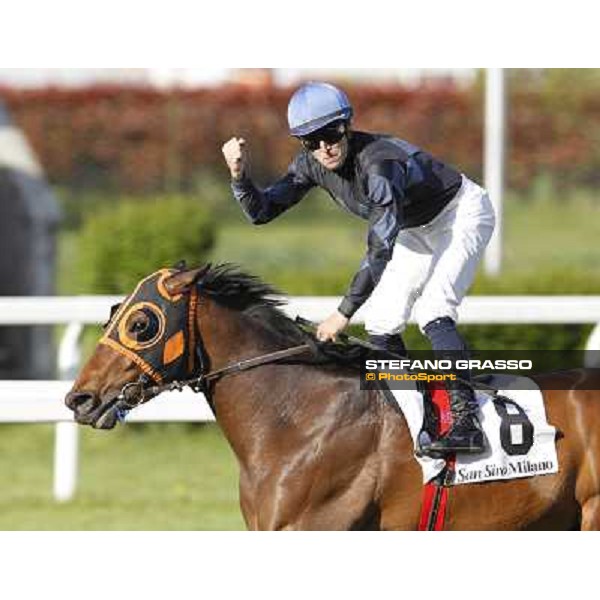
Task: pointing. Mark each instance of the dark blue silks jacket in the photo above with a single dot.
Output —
(387, 181)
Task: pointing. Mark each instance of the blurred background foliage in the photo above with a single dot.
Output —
(144, 140)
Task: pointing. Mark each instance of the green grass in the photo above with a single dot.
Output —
(539, 234)
(149, 477)
(558, 233)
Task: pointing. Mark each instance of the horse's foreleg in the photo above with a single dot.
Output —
(350, 508)
(590, 514)
(330, 519)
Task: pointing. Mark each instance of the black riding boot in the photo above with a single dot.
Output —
(391, 342)
(465, 435)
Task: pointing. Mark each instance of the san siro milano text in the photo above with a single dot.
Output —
(512, 469)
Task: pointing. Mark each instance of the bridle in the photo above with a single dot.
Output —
(146, 391)
(195, 369)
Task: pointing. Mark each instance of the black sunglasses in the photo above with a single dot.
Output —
(331, 134)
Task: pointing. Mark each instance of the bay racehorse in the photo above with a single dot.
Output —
(315, 451)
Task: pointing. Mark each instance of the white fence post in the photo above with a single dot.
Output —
(66, 450)
(66, 440)
(494, 151)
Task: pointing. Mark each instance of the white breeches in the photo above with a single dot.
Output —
(433, 265)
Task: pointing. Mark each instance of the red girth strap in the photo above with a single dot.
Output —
(435, 497)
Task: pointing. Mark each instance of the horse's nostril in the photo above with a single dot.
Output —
(82, 401)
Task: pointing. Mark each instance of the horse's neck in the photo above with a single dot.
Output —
(241, 399)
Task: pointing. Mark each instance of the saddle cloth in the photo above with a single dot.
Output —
(520, 441)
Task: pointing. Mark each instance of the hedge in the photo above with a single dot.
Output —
(143, 140)
(121, 244)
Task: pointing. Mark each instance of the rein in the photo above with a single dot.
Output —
(198, 384)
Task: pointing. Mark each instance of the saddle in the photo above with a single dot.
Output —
(521, 442)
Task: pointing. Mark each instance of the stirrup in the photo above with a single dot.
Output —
(459, 440)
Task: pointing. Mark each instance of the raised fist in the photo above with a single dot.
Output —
(235, 155)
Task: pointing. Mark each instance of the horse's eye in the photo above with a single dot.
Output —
(139, 326)
(144, 325)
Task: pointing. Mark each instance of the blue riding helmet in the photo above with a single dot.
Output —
(315, 105)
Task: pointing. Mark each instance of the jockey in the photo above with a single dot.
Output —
(428, 228)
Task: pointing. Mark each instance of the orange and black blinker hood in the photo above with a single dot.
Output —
(156, 329)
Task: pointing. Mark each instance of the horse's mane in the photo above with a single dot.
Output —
(229, 286)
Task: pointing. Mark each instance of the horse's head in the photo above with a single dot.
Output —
(148, 342)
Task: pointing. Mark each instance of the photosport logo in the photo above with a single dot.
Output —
(520, 366)
(420, 376)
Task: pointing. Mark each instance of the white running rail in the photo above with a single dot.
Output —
(42, 401)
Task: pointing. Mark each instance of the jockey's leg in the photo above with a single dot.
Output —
(459, 236)
(391, 302)
(465, 434)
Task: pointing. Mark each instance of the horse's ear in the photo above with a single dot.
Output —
(180, 266)
(180, 282)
